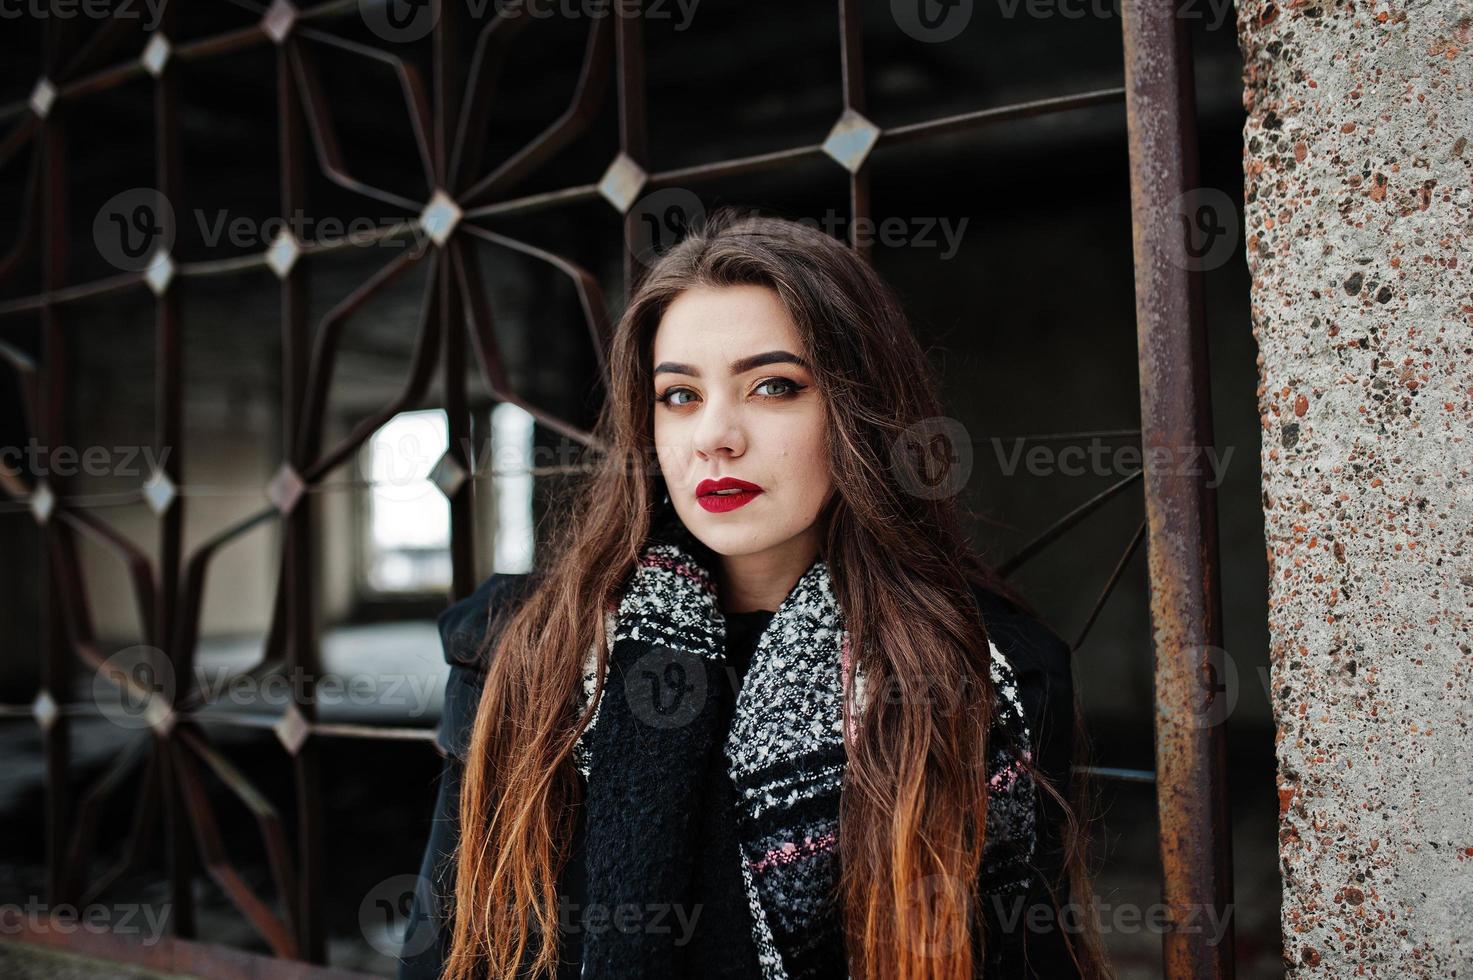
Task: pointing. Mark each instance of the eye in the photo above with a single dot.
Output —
(785, 387)
(671, 396)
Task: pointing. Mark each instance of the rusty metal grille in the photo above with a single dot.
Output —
(454, 337)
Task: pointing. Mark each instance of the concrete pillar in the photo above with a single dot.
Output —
(1358, 219)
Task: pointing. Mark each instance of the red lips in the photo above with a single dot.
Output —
(718, 503)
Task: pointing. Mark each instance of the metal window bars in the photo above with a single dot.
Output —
(1179, 528)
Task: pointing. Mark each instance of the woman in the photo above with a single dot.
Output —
(764, 714)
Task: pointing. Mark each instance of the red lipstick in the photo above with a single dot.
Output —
(738, 493)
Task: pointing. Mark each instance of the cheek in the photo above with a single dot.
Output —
(802, 448)
(667, 452)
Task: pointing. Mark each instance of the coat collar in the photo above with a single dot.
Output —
(784, 750)
(671, 601)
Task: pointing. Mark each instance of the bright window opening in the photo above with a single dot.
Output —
(511, 439)
(408, 516)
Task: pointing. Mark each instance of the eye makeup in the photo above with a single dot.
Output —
(794, 388)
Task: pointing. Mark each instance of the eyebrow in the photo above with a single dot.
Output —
(739, 366)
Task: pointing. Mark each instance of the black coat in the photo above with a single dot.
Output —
(1040, 660)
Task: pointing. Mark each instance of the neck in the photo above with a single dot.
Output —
(764, 579)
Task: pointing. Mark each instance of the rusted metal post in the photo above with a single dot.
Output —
(1176, 426)
(169, 437)
(308, 904)
(57, 669)
(634, 133)
(851, 61)
(450, 84)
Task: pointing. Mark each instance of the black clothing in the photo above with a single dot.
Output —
(742, 632)
(669, 853)
(720, 937)
(720, 942)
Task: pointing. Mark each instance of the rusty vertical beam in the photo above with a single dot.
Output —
(307, 905)
(1181, 508)
(634, 138)
(460, 492)
(168, 434)
(851, 58)
(57, 669)
(169, 384)
(450, 81)
(449, 70)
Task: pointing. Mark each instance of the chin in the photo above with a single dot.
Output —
(730, 537)
(729, 542)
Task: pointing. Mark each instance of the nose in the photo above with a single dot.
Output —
(719, 430)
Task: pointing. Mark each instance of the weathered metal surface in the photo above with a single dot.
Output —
(1186, 608)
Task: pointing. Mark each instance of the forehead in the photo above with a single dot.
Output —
(725, 324)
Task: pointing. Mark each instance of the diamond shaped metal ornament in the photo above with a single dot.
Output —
(851, 139)
(292, 730)
(43, 96)
(159, 274)
(283, 254)
(440, 217)
(159, 492)
(45, 710)
(285, 489)
(156, 55)
(622, 182)
(448, 475)
(279, 20)
(161, 717)
(43, 502)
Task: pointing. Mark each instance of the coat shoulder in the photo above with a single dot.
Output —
(1041, 662)
(1029, 644)
(464, 625)
(464, 635)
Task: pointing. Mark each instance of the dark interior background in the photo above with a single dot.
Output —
(1031, 324)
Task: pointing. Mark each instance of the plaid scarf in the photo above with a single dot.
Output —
(667, 703)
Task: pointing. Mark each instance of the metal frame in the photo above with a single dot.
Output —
(1179, 527)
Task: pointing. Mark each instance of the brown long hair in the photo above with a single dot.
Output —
(914, 798)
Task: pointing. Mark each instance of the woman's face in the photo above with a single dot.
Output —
(736, 402)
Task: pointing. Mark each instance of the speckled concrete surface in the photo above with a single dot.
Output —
(1359, 225)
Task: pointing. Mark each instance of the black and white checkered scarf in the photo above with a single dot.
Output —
(666, 705)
